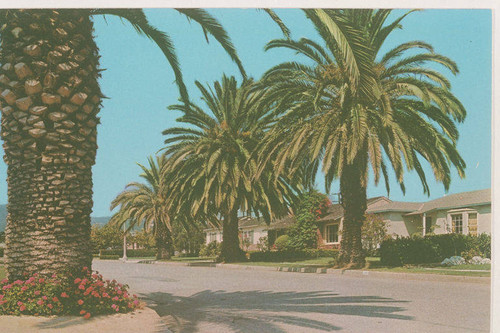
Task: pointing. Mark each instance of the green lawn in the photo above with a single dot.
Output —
(373, 263)
(188, 259)
(318, 262)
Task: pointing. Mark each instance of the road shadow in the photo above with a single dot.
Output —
(264, 311)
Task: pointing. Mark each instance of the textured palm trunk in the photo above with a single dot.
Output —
(50, 99)
(231, 251)
(353, 192)
(164, 242)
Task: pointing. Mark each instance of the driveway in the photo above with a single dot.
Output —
(204, 299)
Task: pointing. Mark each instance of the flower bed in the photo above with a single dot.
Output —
(86, 295)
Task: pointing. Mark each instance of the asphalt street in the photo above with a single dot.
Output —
(206, 299)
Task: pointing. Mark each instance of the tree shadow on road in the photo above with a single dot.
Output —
(265, 311)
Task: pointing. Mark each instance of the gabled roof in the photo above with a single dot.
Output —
(458, 200)
(395, 206)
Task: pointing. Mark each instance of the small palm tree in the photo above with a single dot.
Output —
(145, 204)
(50, 100)
(211, 170)
(351, 107)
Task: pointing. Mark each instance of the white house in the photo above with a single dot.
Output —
(466, 213)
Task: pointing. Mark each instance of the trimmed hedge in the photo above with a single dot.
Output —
(131, 253)
(431, 249)
(291, 255)
(109, 257)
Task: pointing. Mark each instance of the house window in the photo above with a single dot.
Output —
(332, 233)
(457, 224)
(428, 224)
(472, 224)
(213, 236)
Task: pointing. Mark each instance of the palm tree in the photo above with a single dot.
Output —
(50, 102)
(146, 204)
(352, 107)
(211, 171)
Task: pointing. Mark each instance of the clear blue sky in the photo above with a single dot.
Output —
(140, 85)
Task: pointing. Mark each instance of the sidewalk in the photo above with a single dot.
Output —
(145, 320)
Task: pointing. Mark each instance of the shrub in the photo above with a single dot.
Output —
(263, 244)
(373, 232)
(1, 251)
(109, 257)
(312, 206)
(211, 249)
(85, 294)
(430, 249)
(453, 261)
(281, 243)
(479, 261)
(291, 255)
(131, 253)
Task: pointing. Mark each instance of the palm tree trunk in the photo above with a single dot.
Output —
(164, 242)
(50, 103)
(353, 192)
(231, 251)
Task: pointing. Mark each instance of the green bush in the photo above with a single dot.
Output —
(431, 249)
(291, 255)
(131, 253)
(281, 243)
(1, 251)
(211, 249)
(109, 257)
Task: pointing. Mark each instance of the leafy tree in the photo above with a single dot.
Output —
(143, 238)
(212, 172)
(304, 233)
(373, 232)
(104, 237)
(49, 74)
(188, 238)
(352, 107)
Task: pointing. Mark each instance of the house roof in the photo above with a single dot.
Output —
(458, 200)
(395, 206)
(251, 222)
(382, 204)
(336, 211)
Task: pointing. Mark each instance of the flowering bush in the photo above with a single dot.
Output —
(453, 261)
(86, 295)
(477, 260)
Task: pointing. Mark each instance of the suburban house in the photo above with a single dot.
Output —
(466, 213)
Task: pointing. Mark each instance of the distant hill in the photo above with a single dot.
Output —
(3, 218)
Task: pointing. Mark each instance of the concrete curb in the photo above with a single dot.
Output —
(410, 276)
(144, 320)
(340, 272)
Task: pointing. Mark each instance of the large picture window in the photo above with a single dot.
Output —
(332, 233)
(457, 224)
(472, 224)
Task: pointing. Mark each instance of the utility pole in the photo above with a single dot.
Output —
(124, 243)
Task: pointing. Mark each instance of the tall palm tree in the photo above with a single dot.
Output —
(50, 99)
(212, 171)
(352, 107)
(146, 204)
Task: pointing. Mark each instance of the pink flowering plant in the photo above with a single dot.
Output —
(86, 294)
